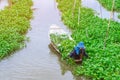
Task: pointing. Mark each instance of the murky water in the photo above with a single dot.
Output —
(3, 4)
(101, 11)
(36, 61)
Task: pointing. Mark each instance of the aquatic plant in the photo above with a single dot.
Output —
(119, 16)
(108, 4)
(14, 23)
(103, 62)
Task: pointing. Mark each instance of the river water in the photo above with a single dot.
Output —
(3, 3)
(36, 61)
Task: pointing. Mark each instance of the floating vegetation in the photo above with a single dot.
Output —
(14, 23)
(119, 16)
(108, 4)
(104, 60)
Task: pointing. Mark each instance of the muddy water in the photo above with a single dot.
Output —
(36, 61)
(100, 11)
(3, 4)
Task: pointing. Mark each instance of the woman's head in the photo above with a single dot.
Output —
(81, 45)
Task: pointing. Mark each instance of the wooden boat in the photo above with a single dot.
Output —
(54, 29)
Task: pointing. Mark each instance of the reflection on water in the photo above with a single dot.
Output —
(36, 61)
(65, 68)
(3, 4)
(102, 12)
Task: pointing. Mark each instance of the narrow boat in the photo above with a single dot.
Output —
(57, 34)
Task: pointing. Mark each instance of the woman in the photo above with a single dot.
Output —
(78, 52)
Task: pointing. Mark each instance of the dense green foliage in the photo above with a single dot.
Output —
(104, 62)
(108, 4)
(119, 16)
(14, 23)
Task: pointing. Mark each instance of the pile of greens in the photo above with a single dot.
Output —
(61, 41)
(104, 59)
(14, 23)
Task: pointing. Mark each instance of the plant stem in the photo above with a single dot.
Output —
(79, 14)
(108, 28)
(73, 8)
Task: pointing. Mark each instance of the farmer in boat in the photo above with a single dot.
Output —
(78, 52)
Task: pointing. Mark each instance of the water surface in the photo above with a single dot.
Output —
(3, 4)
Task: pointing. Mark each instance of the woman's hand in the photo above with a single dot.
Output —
(78, 60)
